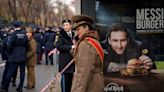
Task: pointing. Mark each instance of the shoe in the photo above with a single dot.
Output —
(27, 87)
(19, 90)
(39, 63)
(14, 84)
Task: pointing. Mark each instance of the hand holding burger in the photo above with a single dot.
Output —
(146, 61)
(139, 66)
(143, 60)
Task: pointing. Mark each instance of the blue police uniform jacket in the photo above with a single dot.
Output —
(39, 39)
(49, 38)
(4, 48)
(17, 46)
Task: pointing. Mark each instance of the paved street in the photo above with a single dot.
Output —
(44, 74)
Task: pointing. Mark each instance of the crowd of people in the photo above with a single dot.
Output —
(24, 46)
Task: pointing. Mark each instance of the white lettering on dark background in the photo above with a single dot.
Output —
(150, 20)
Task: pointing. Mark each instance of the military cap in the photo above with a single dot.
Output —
(29, 30)
(17, 23)
(66, 20)
(81, 19)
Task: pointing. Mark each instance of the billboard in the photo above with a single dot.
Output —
(144, 20)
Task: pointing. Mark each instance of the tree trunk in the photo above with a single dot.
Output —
(13, 9)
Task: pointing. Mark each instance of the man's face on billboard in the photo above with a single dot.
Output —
(118, 41)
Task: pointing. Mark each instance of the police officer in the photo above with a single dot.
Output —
(39, 40)
(49, 38)
(4, 48)
(17, 47)
(3, 36)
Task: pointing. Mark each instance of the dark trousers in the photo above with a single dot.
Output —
(66, 82)
(12, 67)
(49, 58)
(14, 76)
(39, 58)
(4, 54)
(5, 74)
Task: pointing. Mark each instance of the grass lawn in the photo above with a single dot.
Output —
(159, 64)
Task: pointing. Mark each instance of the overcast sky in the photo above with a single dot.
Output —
(68, 2)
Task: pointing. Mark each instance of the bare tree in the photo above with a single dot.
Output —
(63, 12)
(13, 8)
(25, 6)
(40, 12)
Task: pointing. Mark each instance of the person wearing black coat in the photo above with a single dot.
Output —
(49, 38)
(39, 40)
(17, 47)
(64, 45)
(3, 35)
(4, 48)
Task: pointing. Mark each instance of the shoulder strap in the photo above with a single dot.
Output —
(97, 46)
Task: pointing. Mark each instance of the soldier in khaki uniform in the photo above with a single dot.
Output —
(88, 76)
(31, 59)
